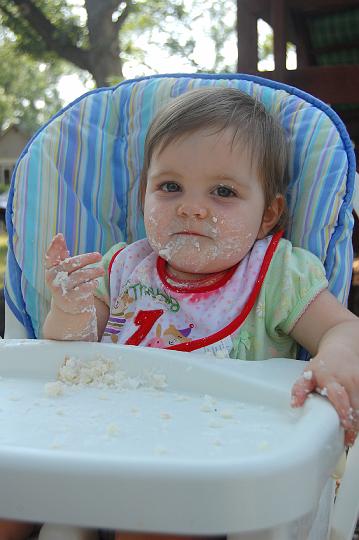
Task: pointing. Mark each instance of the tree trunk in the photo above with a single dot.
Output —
(102, 57)
(105, 51)
(103, 66)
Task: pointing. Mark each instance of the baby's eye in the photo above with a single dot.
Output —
(224, 191)
(170, 187)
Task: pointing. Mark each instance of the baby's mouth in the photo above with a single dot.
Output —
(189, 233)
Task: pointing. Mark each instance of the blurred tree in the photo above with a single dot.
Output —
(223, 35)
(44, 29)
(202, 35)
(28, 88)
(100, 35)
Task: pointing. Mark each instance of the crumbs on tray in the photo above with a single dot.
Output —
(100, 372)
(54, 389)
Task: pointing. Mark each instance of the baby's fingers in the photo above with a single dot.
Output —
(73, 264)
(57, 257)
(335, 392)
(56, 252)
(79, 299)
(339, 398)
(62, 282)
(347, 410)
(350, 436)
(302, 387)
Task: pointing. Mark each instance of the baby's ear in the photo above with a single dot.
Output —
(271, 216)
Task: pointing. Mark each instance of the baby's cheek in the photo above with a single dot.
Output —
(156, 225)
(233, 235)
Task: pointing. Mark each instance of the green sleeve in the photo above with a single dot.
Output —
(295, 278)
(103, 289)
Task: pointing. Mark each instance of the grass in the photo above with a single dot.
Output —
(3, 250)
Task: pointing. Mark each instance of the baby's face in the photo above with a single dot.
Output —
(204, 204)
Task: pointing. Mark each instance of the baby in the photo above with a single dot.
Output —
(214, 273)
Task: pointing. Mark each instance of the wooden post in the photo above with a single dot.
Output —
(278, 20)
(247, 38)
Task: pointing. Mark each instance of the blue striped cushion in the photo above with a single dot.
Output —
(79, 175)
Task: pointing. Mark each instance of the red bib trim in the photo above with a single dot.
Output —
(166, 280)
(189, 346)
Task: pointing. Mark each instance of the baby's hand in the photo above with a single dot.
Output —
(71, 284)
(339, 382)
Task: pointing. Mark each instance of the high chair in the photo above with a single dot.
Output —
(79, 176)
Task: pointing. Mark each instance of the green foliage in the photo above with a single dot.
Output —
(28, 92)
(133, 30)
(68, 27)
(179, 27)
(265, 47)
(223, 15)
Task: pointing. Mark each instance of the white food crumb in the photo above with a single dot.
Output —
(161, 450)
(60, 412)
(217, 442)
(214, 424)
(113, 430)
(98, 372)
(263, 446)
(226, 413)
(323, 391)
(62, 279)
(54, 389)
(55, 446)
(208, 404)
(165, 415)
(14, 398)
(157, 380)
(206, 408)
(181, 397)
(307, 375)
(102, 372)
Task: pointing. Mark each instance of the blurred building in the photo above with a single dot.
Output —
(12, 142)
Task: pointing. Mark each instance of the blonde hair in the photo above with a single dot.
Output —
(225, 108)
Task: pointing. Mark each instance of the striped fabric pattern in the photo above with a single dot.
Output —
(79, 176)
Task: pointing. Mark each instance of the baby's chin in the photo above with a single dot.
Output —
(196, 257)
(191, 268)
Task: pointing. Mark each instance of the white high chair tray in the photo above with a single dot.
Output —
(184, 442)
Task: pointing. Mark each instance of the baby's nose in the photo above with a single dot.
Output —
(192, 210)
